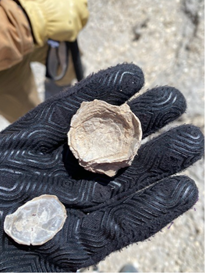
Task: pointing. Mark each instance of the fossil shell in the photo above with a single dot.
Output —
(104, 137)
(37, 221)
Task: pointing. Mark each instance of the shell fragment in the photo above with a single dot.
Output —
(104, 137)
(37, 221)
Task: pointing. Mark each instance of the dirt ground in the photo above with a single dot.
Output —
(166, 39)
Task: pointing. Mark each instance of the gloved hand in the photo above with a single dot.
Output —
(104, 214)
(56, 20)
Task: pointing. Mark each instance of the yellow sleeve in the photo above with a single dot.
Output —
(15, 34)
(57, 20)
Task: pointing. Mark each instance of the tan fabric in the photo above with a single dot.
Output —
(18, 91)
(15, 34)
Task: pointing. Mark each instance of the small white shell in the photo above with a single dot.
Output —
(37, 221)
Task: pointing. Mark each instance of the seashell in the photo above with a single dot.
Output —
(104, 137)
(37, 221)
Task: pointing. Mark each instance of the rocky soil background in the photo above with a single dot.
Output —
(166, 39)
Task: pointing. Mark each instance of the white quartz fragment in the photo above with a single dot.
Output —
(37, 221)
(104, 137)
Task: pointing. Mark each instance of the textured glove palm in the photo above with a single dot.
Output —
(104, 214)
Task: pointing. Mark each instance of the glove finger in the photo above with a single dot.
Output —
(114, 85)
(87, 239)
(165, 155)
(155, 108)
(135, 218)
(158, 107)
(169, 153)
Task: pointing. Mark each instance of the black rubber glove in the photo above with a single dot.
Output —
(104, 214)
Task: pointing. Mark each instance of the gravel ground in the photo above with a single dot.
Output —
(165, 38)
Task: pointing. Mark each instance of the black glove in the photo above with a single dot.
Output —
(104, 214)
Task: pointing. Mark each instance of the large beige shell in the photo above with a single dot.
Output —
(37, 221)
(104, 137)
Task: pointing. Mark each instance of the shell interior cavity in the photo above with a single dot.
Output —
(37, 221)
(104, 137)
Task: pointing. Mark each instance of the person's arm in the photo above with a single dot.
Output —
(15, 34)
(27, 24)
